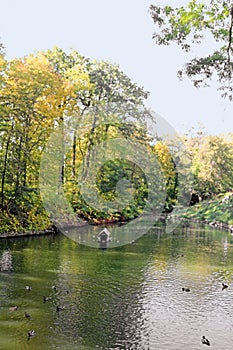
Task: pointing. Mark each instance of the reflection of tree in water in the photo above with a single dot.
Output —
(122, 298)
(6, 261)
(107, 300)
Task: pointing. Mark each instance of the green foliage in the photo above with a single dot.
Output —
(114, 177)
(212, 164)
(164, 156)
(39, 93)
(26, 213)
(196, 23)
(107, 82)
(36, 93)
(217, 209)
(128, 178)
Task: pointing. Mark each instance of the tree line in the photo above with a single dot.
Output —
(39, 92)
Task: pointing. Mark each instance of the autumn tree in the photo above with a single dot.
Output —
(31, 98)
(42, 91)
(107, 85)
(200, 23)
(168, 167)
(212, 164)
(109, 92)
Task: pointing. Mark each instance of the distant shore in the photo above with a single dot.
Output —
(221, 225)
(32, 233)
(53, 230)
(215, 224)
(27, 233)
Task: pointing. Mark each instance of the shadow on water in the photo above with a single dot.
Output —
(129, 297)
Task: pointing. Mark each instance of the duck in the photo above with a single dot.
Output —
(54, 287)
(27, 315)
(46, 299)
(13, 308)
(28, 288)
(186, 289)
(205, 341)
(31, 333)
(224, 286)
(60, 308)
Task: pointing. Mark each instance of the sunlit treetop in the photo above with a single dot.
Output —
(106, 82)
(200, 22)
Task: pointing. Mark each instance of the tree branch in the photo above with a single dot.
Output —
(230, 36)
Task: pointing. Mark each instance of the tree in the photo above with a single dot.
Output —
(40, 92)
(212, 164)
(198, 23)
(109, 92)
(169, 168)
(31, 93)
(107, 84)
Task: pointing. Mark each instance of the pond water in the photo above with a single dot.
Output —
(129, 297)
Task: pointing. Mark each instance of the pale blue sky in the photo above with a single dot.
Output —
(119, 31)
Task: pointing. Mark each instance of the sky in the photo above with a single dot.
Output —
(119, 31)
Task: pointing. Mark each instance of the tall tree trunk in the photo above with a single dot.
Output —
(74, 155)
(89, 145)
(4, 171)
(18, 170)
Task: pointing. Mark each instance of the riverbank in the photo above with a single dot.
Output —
(216, 212)
(48, 231)
(52, 229)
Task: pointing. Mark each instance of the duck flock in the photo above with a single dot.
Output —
(59, 308)
(204, 340)
(6, 265)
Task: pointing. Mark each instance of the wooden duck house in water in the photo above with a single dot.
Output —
(104, 236)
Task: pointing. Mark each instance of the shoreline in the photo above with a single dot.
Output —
(28, 234)
(217, 224)
(53, 230)
(214, 224)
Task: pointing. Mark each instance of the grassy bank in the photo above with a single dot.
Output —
(217, 211)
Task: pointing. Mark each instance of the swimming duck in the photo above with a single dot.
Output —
(28, 288)
(59, 308)
(185, 289)
(13, 308)
(31, 333)
(27, 315)
(205, 341)
(46, 299)
(224, 286)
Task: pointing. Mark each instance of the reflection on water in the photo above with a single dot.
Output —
(121, 234)
(129, 297)
(6, 263)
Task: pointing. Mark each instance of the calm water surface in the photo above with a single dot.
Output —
(129, 297)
